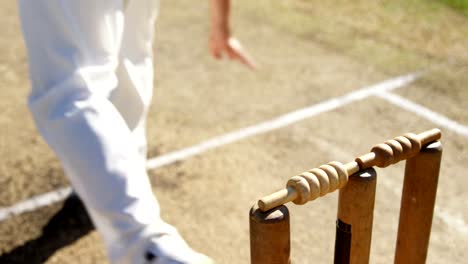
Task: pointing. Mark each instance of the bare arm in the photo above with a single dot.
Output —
(220, 11)
(221, 41)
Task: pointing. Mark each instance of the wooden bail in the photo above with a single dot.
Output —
(327, 178)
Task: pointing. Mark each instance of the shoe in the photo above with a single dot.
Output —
(170, 248)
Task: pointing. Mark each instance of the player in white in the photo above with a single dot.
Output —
(91, 71)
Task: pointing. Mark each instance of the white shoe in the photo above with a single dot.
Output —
(170, 248)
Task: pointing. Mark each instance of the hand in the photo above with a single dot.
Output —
(222, 44)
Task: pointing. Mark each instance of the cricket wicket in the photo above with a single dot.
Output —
(356, 181)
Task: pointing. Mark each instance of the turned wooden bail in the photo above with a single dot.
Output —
(317, 182)
(395, 150)
(310, 185)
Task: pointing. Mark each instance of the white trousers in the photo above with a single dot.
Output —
(92, 79)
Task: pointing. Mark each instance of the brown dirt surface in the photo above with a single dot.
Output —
(308, 52)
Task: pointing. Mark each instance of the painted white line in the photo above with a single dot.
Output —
(455, 221)
(52, 197)
(424, 112)
(283, 120)
(35, 203)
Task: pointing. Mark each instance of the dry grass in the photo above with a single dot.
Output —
(461, 5)
(390, 34)
(395, 37)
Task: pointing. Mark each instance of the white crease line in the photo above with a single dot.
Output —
(424, 112)
(283, 120)
(35, 202)
(455, 221)
(52, 197)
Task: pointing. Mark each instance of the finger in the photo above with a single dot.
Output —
(231, 53)
(215, 53)
(237, 52)
(248, 60)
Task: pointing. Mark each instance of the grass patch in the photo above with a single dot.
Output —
(461, 5)
(394, 35)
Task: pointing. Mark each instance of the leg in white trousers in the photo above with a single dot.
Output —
(92, 76)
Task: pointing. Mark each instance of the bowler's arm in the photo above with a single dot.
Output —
(221, 41)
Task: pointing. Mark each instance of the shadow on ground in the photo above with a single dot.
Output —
(64, 228)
